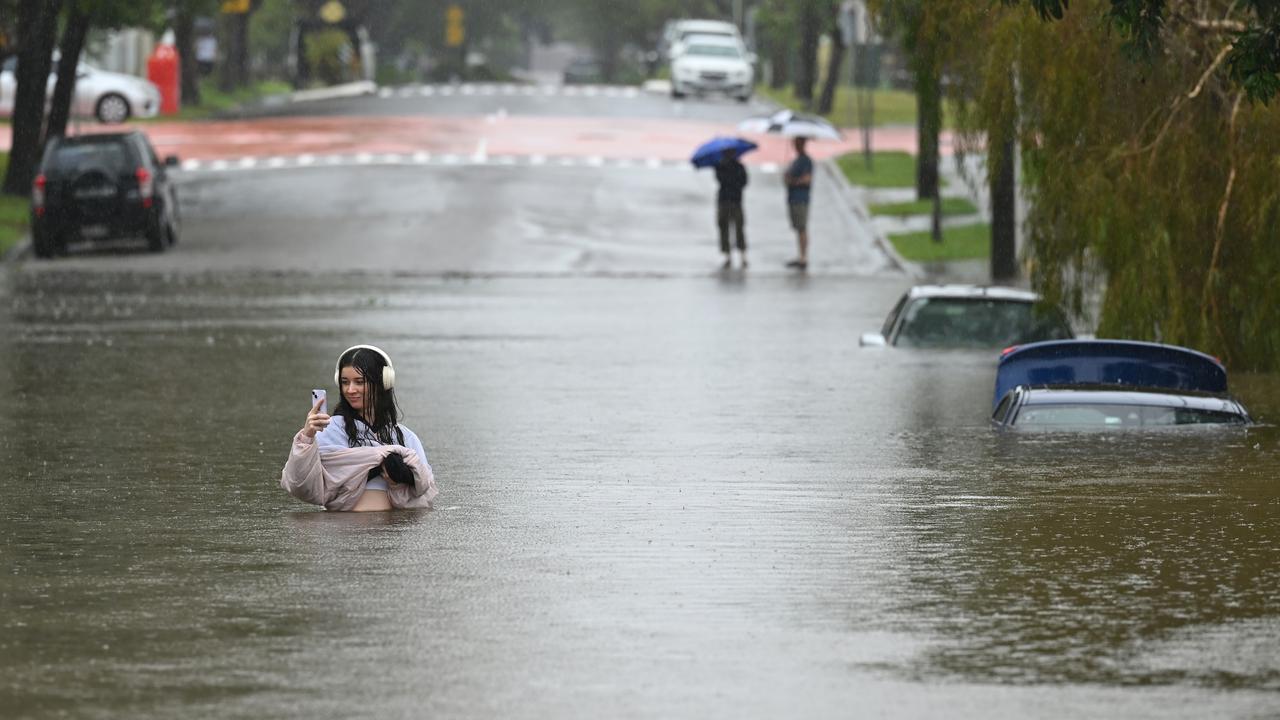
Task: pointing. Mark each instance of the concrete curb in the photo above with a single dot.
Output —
(364, 87)
(354, 89)
(858, 209)
(660, 87)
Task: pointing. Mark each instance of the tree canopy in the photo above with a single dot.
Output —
(1149, 160)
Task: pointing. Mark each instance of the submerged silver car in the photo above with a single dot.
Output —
(968, 316)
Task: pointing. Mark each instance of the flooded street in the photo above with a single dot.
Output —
(661, 496)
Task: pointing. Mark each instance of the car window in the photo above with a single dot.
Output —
(10, 65)
(713, 51)
(1003, 409)
(75, 158)
(978, 323)
(149, 152)
(893, 317)
(691, 33)
(1086, 415)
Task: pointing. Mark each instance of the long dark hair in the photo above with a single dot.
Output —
(386, 414)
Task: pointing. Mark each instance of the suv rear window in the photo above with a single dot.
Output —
(70, 159)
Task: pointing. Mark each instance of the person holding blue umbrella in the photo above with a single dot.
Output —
(722, 154)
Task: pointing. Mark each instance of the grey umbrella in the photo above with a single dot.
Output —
(791, 124)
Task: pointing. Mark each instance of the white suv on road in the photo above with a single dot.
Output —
(712, 63)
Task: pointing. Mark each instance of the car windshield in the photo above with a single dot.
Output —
(714, 51)
(1086, 415)
(978, 323)
(75, 158)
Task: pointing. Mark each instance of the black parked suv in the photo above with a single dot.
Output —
(102, 186)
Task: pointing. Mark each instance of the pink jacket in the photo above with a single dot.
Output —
(336, 479)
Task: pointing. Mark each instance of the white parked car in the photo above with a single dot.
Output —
(710, 63)
(108, 96)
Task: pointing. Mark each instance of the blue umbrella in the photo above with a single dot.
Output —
(708, 154)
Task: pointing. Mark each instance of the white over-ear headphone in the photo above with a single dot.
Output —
(388, 372)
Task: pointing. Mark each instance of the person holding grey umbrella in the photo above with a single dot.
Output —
(799, 180)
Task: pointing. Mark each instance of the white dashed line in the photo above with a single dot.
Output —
(479, 158)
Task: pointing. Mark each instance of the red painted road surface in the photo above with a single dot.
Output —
(610, 138)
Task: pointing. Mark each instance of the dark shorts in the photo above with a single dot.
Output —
(799, 213)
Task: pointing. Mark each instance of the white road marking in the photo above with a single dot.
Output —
(479, 157)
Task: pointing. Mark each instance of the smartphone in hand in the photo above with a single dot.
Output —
(318, 395)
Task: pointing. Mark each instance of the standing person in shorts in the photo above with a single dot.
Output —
(732, 177)
(799, 179)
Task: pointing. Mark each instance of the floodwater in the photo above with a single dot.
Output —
(661, 497)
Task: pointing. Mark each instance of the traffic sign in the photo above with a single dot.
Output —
(333, 12)
(454, 32)
(235, 7)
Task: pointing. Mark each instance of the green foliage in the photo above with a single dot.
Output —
(331, 57)
(891, 107)
(1154, 180)
(269, 34)
(950, 206)
(963, 242)
(1254, 56)
(14, 211)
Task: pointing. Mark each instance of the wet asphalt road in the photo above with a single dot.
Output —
(666, 491)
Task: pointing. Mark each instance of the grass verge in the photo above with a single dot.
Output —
(889, 107)
(13, 213)
(888, 169)
(965, 242)
(950, 206)
(214, 101)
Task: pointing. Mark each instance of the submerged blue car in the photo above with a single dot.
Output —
(1105, 384)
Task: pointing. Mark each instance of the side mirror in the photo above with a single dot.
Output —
(171, 161)
(872, 339)
(753, 58)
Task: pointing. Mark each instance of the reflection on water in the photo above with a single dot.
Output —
(671, 496)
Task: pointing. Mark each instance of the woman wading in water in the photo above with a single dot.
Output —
(360, 458)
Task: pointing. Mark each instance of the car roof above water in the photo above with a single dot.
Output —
(972, 292)
(1103, 395)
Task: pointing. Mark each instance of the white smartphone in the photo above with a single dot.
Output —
(319, 395)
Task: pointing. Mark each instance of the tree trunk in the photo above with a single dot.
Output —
(828, 99)
(929, 125)
(1004, 223)
(780, 65)
(235, 69)
(37, 28)
(184, 34)
(68, 62)
(810, 31)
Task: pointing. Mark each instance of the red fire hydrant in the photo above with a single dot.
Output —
(162, 69)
